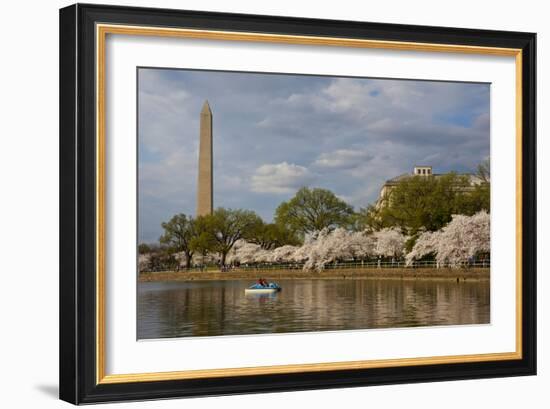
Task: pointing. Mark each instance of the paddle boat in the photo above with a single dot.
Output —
(270, 288)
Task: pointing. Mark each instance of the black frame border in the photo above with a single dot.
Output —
(77, 255)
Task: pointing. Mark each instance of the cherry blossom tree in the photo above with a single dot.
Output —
(143, 262)
(283, 254)
(318, 250)
(427, 243)
(390, 242)
(244, 252)
(456, 243)
(337, 245)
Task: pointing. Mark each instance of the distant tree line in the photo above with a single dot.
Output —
(463, 241)
(416, 205)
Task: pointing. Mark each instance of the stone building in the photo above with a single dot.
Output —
(423, 171)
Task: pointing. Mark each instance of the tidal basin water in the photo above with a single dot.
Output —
(208, 308)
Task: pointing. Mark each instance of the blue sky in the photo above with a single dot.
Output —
(274, 133)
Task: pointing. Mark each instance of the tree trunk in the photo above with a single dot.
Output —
(222, 261)
(188, 257)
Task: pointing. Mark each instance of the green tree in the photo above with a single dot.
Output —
(368, 218)
(178, 233)
(272, 235)
(161, 259)
(144, 248)
(203, 242)
(484, 171)
(479, 198)
(421, 202)
(312, 210)
(225, 226)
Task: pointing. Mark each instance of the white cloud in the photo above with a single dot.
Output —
(400, 104)
(280, 178)
(350, 134)
(341, 96)
(343, 159)
(482, 122)
(176, 173)
(168, 115)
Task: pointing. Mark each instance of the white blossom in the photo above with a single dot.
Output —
(244, 253)
(456, 243)
(463, 238)
(318, 250)
(427, 243)
(143, 261)
(283, 254)
(389, 243)
(337, 245)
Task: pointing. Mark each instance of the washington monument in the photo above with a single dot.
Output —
(205, 202)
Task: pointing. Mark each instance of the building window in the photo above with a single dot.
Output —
(422, 170)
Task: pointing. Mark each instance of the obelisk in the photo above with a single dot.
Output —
(205, 202)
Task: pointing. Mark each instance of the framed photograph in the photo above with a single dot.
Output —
(257, 203)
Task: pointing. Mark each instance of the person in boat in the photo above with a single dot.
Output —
(262, 282)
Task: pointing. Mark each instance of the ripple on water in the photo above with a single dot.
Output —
(208, 308)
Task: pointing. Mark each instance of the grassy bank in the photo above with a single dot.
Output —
(459, 274)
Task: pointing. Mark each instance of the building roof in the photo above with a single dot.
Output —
(473, 178)
(398, 178)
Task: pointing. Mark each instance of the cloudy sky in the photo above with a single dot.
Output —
(274, 133)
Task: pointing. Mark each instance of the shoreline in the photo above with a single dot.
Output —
(448, 274)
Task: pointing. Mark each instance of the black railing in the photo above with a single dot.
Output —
(331, 266)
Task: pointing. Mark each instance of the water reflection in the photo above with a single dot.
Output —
(221, 307)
